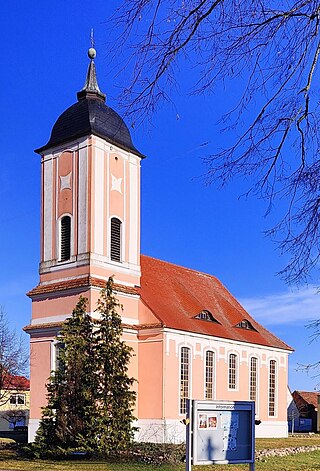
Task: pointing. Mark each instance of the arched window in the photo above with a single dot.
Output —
(184, 378)
(253, 378)
(65, 238)
(115, 245)
(209, 389)
(232, 371)
(272, 388)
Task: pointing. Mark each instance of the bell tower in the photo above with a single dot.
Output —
(90, 191)
(90, 224)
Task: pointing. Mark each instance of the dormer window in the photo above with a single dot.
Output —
(206, 315)
(245, 324)
(115, 245)
(65, 238)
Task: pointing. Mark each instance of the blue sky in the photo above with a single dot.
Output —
(44, 64)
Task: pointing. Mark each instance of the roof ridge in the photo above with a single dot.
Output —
(307, 392)
(193, 270)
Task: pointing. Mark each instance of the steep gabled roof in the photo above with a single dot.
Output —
(309, 397)
(176, 295)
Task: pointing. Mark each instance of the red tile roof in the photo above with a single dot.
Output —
(176, 294)
(310, 397)
(14, 382)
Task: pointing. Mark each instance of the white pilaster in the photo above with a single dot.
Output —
(99, 187)
(47, 208)
(83, 200)
(134, 213)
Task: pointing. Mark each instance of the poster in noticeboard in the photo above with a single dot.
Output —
(207, 421)
(222, 431)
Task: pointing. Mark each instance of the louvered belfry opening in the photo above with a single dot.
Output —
(65, 238)
(115, 239)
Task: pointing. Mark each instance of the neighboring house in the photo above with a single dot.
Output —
(191, 337)
(15, 404)
(306, 403)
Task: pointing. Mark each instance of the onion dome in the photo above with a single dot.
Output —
(90, 115)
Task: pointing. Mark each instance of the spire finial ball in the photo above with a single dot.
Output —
(92, 53)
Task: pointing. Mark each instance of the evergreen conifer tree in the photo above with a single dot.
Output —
(69, 419)
(115, 395)
(90, 396)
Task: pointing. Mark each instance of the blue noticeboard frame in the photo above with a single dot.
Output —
(220, 432)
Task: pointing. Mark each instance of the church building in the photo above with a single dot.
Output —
(191, 337)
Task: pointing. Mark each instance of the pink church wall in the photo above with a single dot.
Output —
(56, 306)
(150, 376)
(64, 305)
(263, 386)
(171, 382)
(222, 372)
(40, 367)
(244, 380)
(133, 370)
(197, 377)
(145, 314)
(282, 396)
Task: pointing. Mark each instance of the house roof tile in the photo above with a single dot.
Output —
(15, 382)
(310, 397)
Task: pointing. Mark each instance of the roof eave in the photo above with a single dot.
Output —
(50, 145)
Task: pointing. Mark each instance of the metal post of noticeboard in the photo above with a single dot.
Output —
(188, 436)
(252, 465)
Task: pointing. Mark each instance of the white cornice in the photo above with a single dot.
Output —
(226, 340)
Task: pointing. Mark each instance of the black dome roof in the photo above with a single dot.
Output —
(90, 115)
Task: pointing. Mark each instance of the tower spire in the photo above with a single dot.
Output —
(91, 88)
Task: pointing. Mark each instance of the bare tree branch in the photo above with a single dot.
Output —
(273, 50)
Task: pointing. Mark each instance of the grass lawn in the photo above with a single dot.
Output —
(263, 443)
(9, 460)
(303, 461)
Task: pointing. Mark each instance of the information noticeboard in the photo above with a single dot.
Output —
(221, 432)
